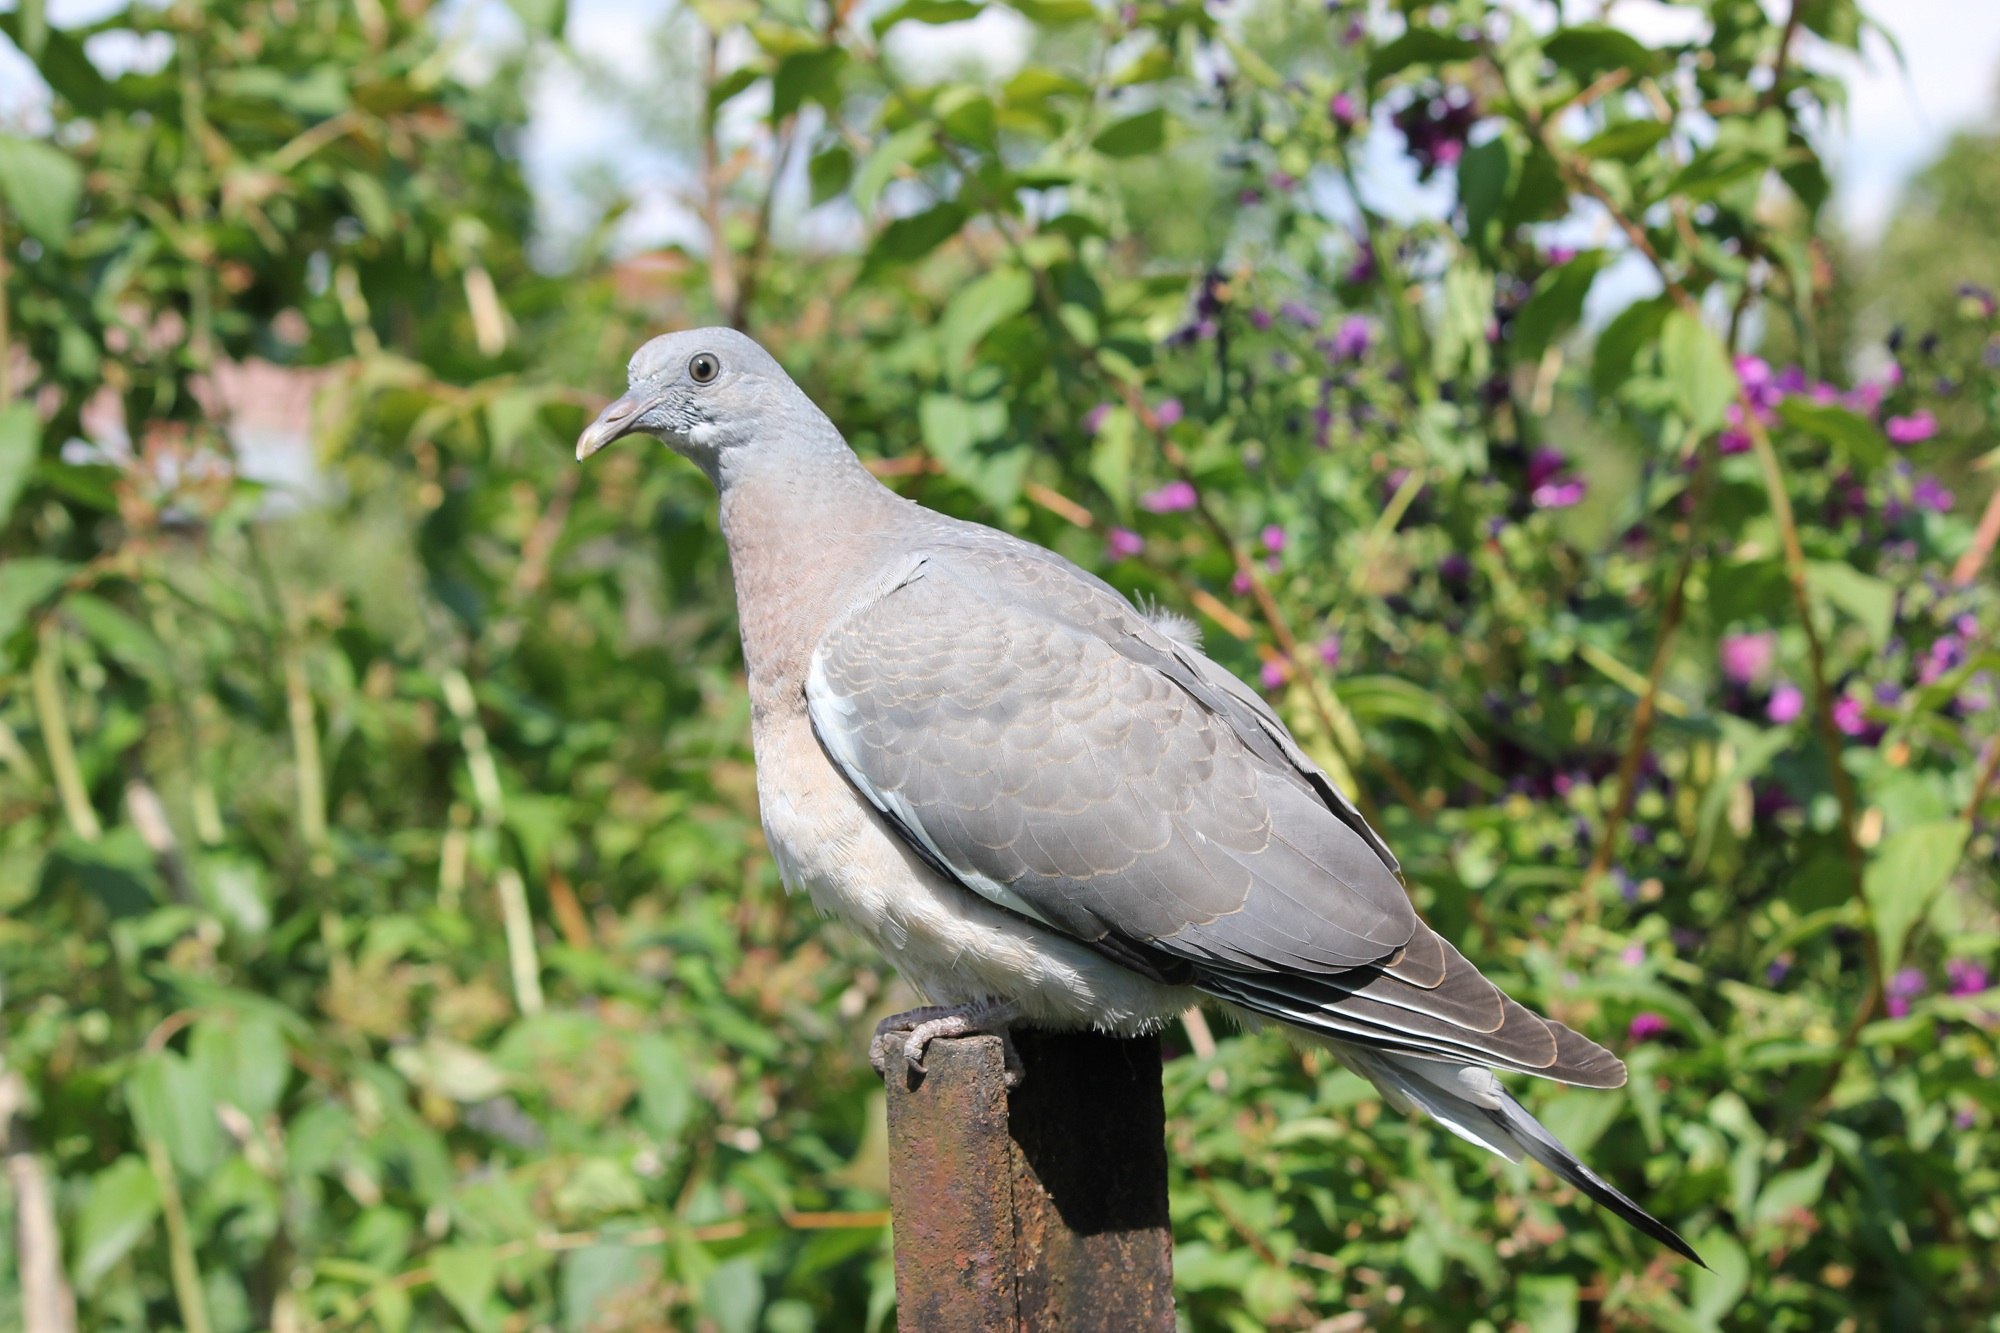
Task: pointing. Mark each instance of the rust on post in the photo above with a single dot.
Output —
(1043, 1209)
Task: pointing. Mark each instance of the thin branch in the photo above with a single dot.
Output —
(1642, 729)
(1984, 783)
(1983, 540)
(47, 1304)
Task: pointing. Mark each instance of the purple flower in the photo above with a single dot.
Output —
(1733, 441)
(1779, 969)
(1260, 318)
(1558, 495)
(1435, 129)
(1646, 1026)
(1345, 114)
(1167, 413)
(1976, 301)
(1759, 386)
(1122, 543)
(1945, 653)
(1239, 583)
(1930, 493)
(1560, 255)
(1273, 674)
(1912, 429)
(1544, 465)
(1849, 716)
(1633, 955)
(1300, 313)
(1273, 538)
(1329, 651)
(1902, 988)
(1353, 338)
(1964, 977)
(1787, 702)
(1747, 658)
(1363, 268)
(1173, 498)
(1093, 420)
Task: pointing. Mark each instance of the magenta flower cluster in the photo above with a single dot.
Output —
(1436, 128)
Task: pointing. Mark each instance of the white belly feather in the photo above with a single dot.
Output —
(951, 945)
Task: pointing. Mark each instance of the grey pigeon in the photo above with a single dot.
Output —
(1045, 806)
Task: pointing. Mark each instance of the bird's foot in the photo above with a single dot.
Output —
(916, 1029)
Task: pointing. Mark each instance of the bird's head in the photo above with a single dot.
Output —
(703, 393)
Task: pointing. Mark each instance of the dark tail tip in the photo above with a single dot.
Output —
(1545, 1148)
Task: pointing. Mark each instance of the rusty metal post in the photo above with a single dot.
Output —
(1044, 1209)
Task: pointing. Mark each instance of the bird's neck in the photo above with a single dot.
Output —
(802, 535)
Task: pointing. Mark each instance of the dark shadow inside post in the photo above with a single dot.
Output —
(1091, 1122)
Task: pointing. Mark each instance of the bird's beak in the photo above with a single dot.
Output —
(614, 422)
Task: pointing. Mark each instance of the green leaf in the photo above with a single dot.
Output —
(1791, 1190)
(1904, 874)
(1054, 13)
(1134, 135)
(1546, 1303)
(957, 432)
(1589, 49)
(124, 1199)
(734, 1295)
(451, 1069)
(170, 1102)
(736, 81)
(42, 186)
(25, 583)
(597, 1278)
(978, 309)
(20, 445)
(1555, 305)
(829, 173)
(1618, 345)
(1112, 454)
(466, 1276)
(128, 641)
(1625, 141)
(1714, 1291)
(243, 1058)
(1870, 600)
(1425, 46)
(1755, 749)
(898, 150)
(1698, 369)
(927, 11)
(806, 76)
(1854, 436)
(1484, 177)
(909, 239)
(62, 64)
(541, 16)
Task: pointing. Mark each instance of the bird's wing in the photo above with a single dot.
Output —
(1144, 809)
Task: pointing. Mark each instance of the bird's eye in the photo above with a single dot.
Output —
(704, 368)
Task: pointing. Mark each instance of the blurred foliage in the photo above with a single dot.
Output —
(385, 934)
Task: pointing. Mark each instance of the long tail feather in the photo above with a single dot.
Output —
(1469, 1101)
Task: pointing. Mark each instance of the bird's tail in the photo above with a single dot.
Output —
(1470, 1102)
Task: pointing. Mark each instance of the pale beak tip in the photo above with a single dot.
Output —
(616, 421)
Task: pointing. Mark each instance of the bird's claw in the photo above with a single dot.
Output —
(915, 1030)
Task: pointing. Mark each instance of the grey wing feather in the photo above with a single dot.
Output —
(1037, 741)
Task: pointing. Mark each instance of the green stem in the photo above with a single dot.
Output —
(180, 1242)
(45, 680)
